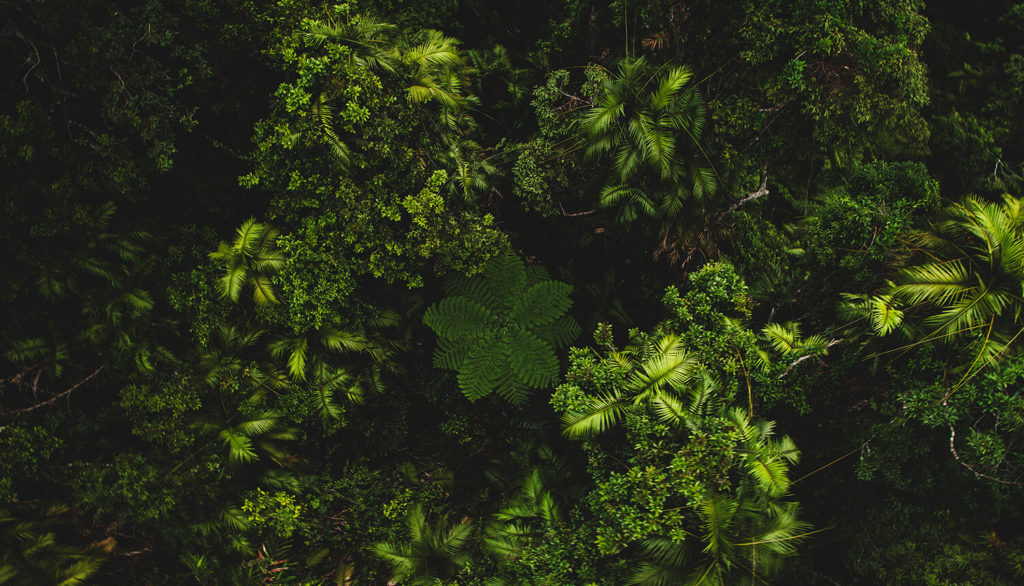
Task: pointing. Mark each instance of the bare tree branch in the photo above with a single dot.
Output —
(956, 456)
(753, 195)
(56, 397)
(572, 215)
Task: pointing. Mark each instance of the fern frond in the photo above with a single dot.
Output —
(459, 318)
(475, 288)
(542, 303)
(536, 274)
(532, 360)
(451, 355)
(559, 333)
(506, 277)
(484, 369)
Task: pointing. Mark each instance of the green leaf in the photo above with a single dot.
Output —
(232, 281)
(884, 317)
(451, 355)
(785, 338)
(670, 409)
(532, 360)
(670, 85)
(506, 278)
(559, 333)
(484, 370)
(263, 290)
(770, 473)
(297, 359)
(459, 318)
(475, 288)
(258, 426)
(603, 413)
(240, 447)
(670, 366)
(542, 304)
(247, 235)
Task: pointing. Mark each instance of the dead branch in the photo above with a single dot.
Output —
(56, 397)
(977, 474)
(753, 195)
(761, 192)
(573, 215)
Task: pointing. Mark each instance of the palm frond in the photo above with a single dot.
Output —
(602, 414)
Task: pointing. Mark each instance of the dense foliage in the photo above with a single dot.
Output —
(457, 292)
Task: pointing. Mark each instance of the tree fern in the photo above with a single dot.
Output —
(542, 303)
(499, 331)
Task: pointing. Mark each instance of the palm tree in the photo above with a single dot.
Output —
(529, 515)
(32, 553)
(472, 173)
(312, 359)
(432, 552)
(250, 259)
(371, 40)
(430, 65)
(371, 44)
(740, 544)
(967, 283)
(662, 378)
(436, 70)
(744, 534)
(650, 126)
(243, 433)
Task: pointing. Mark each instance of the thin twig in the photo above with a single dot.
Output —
(753, 195)
(956, 455)
(60, 395)
(572, 215)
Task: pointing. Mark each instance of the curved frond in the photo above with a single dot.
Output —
(559, 333)
(532, 360)
(459, 318)
(604, 413)
(542, 303)
(484, 370)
